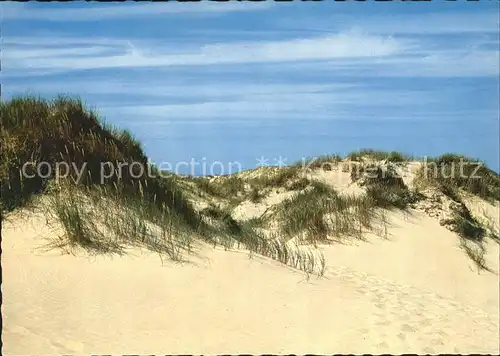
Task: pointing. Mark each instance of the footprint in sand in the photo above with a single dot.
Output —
(383, 322)
(442, 334)
(407, 328)
(429, 350)
(382, 345)
(363, 290)
(437, 342)
(424, 318)
(425, 322)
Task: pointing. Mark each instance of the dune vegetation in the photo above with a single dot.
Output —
(104, 215)
(170, 214)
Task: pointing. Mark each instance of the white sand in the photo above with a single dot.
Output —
(415, 292)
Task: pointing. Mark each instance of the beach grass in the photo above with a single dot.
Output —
(103, 211)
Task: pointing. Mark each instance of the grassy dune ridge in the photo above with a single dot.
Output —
(170, 214)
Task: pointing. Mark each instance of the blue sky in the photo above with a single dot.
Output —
(237, 81)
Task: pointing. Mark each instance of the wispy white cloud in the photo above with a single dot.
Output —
(77, 12)
(230, 95)
(158, 89)
(51, 39)
(232, 101)
(406, 24)
(29, 53)
(347, 45)
(461, 64)
(445, 64)
(280, 112)
(350, 53)
(294, 103)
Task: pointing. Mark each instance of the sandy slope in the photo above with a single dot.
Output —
(415, 291)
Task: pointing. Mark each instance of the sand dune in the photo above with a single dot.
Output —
(415, 291)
